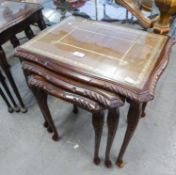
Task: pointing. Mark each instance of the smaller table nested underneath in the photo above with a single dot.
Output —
(43, 82)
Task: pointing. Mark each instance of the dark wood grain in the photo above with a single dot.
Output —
(133, 117)
(97, 122)
(112, 122)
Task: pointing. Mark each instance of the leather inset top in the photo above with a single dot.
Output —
(120, 54)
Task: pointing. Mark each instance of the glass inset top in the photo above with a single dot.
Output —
(12, 12)
(121, 54)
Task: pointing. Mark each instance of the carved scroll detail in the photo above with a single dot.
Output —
(83, 102)
(162, 65)
(143, 95)
(75, 87)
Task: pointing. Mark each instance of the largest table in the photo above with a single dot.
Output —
(121, 60)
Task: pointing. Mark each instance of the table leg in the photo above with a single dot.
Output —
(97, 122)
(75, 109)
(143, 109)
(112, 122)
(45, 124)
(28, 32)
(41, 98)
(6, 68)
(2, 80)
(41, 22)
(10, 109)
(133, 117)
(15, 42)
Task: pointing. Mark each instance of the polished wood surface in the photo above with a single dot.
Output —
(14, 12)
(167, 9)
(116, 54)
(146, 4)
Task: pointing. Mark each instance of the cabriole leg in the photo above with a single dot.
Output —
(75, 109)
(28, 32)
(41, 98)
(41, 22)
(112, 122)
(97, 121)
(15, 42)
(133, 117)
(143, 109)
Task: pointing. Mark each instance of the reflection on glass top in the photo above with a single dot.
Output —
(121, 54)
(12, 12)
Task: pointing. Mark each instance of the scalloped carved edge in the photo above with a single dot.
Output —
(144, 95)
(89, 79)
(40, 83)
(162, 65)
(74, 87)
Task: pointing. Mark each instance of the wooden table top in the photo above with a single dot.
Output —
(12, 12)
(112, 53)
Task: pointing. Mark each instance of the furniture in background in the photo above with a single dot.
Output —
(120, 60)
(159, 21)
(16, 17)
(133, 7)
(167, 9)
(146, 4)
(161, 25)
(106, 10)
(10, 109)
(6, 88)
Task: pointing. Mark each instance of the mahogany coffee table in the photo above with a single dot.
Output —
(110, 57)
(14, 18)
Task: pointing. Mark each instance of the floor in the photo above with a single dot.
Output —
(27, 149)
